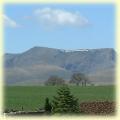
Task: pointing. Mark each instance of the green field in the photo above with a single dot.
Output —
(33, 97)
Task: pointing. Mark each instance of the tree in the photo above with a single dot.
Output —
(47, 106)
(55, 80)
(78, 78)
(65, 102)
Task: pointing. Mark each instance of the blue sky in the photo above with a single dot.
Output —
(62, 26)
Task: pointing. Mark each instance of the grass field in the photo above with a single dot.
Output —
(33, 97)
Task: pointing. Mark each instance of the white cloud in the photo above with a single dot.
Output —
(9, 22)
(58, 17)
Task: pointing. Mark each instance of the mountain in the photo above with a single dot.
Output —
(37, 64)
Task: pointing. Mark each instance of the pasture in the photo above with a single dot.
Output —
(32, 98)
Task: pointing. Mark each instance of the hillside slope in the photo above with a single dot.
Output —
(37, 64)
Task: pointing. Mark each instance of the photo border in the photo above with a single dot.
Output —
(117, 27)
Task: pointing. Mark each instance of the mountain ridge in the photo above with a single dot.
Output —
(64, 63)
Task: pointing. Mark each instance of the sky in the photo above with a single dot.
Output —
(62, 26)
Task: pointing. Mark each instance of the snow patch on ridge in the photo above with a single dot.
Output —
(74, 50)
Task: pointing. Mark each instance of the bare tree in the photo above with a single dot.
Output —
(55, 80)
(78, 78)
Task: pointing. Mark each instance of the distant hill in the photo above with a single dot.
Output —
(35, 66)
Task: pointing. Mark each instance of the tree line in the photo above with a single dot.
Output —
(76, 78)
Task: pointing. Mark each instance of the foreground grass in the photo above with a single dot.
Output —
(33, 97)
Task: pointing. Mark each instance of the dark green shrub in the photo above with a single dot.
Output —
(48, 106)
